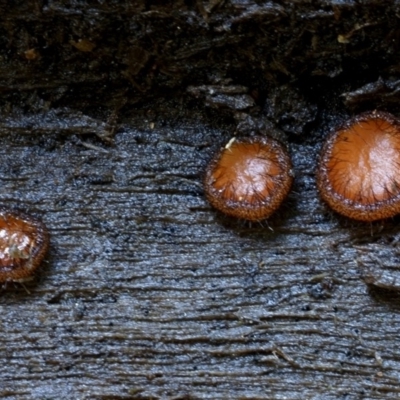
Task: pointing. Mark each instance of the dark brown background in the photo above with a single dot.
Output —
(110, 111)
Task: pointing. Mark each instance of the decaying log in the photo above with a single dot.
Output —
(110, 113)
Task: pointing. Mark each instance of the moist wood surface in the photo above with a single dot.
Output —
(148, 293)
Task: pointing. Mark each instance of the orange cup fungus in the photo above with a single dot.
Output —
(249, 178)
(359, 170)
(23, 244)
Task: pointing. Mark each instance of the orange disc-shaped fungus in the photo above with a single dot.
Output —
(23, 244)
(359, 170)
(249, 178)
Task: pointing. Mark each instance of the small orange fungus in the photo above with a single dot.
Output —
(359, 170)
(23, 244)
(249, 178)
(31, 54)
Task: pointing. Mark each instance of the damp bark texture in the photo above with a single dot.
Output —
(110, 112)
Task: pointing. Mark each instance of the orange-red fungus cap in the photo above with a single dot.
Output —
(249, 178)
(359, 170)
(23, 244)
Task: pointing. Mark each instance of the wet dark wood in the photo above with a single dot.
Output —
(147, 292)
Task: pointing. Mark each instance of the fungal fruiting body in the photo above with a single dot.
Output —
(23, 244)
(249, 178)
(359, 170)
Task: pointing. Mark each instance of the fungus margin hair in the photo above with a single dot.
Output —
(249, 178)
(358, 173)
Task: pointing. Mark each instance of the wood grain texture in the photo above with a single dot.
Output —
(148, 293)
